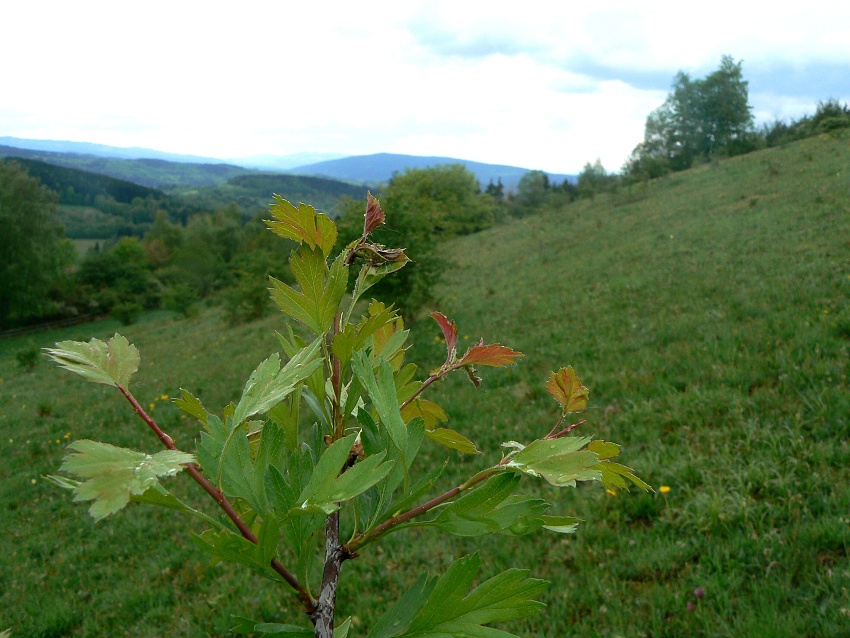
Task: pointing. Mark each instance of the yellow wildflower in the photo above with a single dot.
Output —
(611, 492)
(164, 397)
(664, 489)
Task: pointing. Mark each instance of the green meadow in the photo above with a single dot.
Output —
(709, 314)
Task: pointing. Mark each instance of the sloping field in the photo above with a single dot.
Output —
(708, 313)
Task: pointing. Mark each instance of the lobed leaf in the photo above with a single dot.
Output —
(268, 385)
(428, 410)
(322, 289)
(327, 487)
(448, 610)
(561, 461)
(113, 474)
(374, 215)
(492, 508)
(492, 354)
(192, 406)
(303, 224)
(616, 476)
(565, 386)
(227, 545)
(383, 394)
(109, 363)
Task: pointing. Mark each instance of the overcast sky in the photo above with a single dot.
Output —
(547, 85)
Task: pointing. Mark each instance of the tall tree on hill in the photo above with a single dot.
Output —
(30, 258)
(699, 119)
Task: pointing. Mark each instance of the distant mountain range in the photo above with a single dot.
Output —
(102, 150)
(380, 167)
(157, 169)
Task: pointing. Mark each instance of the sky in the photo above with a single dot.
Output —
(542, 85)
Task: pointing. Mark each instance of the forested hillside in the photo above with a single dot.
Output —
(252, 192)
(150, 172)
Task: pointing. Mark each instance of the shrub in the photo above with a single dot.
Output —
(285, 484)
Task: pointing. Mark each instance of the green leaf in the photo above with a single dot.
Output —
(492, 508)
(400, 615)
(285, 415)
(604, 449)
(282, 630)
(370, 274)
(354, 338)
(565, 386)
(561, 524)
(302, 224)
(301, 532)
(192, 406)
(324, 474)
(450, 611)
(226, 545)
(412, 495)
(561, 462)
(327, 487)
(322, 289)
(361, 477)
(236, 471)
(114, 474)
(453, 440)
(341, 630)
(268, 385)
(383, 394)
(616, 476)
(277, 630)
(110, 363)
(428, 410)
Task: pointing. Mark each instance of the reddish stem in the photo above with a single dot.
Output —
(219, 497)
(434, 377)
(393, 521)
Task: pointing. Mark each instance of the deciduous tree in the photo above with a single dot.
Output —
(30, 262)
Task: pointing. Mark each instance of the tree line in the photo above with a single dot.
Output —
(706, 119)
(225, 257)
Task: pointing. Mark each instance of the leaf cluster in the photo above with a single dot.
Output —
(284, 476)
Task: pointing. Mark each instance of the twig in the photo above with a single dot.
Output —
(219, 497)
(398, 519)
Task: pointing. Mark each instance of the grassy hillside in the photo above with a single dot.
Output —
(709, 314)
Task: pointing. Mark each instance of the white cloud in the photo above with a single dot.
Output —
(540, 84)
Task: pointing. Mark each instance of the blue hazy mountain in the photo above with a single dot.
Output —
(380, 167)
(103, 150)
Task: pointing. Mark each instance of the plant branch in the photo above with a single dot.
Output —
(434, 377)
(335, 554)
(398, 519)
(219, 497)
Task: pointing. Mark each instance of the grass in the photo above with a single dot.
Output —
(708, 313)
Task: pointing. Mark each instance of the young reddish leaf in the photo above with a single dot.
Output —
(374, 215)
(492, 354)
(568, 390)
(449, 329)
